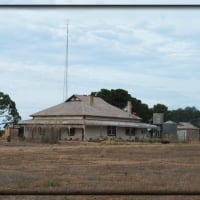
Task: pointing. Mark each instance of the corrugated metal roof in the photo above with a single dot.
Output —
(186, 125)
(81, 107)
(169, 122)
(87, 123)
(51, 121)
(118, 124)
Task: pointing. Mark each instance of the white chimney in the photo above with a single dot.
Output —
(129, 106)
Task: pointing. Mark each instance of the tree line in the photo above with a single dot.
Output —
(119, 98)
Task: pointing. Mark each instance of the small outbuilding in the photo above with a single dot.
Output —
(188, 132)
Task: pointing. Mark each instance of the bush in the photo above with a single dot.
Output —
(165, 141)
(52, 183)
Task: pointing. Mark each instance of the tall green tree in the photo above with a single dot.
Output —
(8, 110)
(160, 108)
(140, 109)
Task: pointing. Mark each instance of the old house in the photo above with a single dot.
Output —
(188, 132)
(83, 117)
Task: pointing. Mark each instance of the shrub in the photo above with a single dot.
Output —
(165, 141)
(52, 183)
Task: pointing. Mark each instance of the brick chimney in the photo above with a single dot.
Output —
(129, 107)
(90, 100)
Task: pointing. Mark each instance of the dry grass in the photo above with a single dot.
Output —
(95, 166)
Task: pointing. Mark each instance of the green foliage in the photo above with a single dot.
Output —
(8, 110)
(185, 115)
(116, 97)
(141, 109)
(160, 108)
(196, 122)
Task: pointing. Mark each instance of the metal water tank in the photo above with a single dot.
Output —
(158, 118)
(169, 127)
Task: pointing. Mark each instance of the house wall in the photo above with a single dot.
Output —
(97, 132)
(41, 133)
(121, 133)
(50, 134)
(182, 135)
(141, 134)
(63, 133)
(6, 133)
(77, 136)
(12, 132)
(27, 133)
(193, 135)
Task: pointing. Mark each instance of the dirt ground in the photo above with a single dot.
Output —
(89, 166)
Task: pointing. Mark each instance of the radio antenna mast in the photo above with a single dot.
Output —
(65, 90)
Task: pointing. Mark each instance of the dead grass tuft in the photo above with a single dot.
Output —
(52, 183)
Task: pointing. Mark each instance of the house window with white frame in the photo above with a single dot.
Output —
(111, 130)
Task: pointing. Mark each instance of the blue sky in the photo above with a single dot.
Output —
(151, 53)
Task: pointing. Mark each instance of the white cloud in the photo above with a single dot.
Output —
(31, 86)
(130, 78)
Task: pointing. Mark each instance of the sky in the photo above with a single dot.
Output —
(151, 53)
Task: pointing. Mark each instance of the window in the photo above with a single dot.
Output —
(130, 131)
(144, 131)
(133, 131)
(72, 131)
(111, 130)
(21, 132)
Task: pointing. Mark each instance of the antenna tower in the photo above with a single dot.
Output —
(65, 90)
